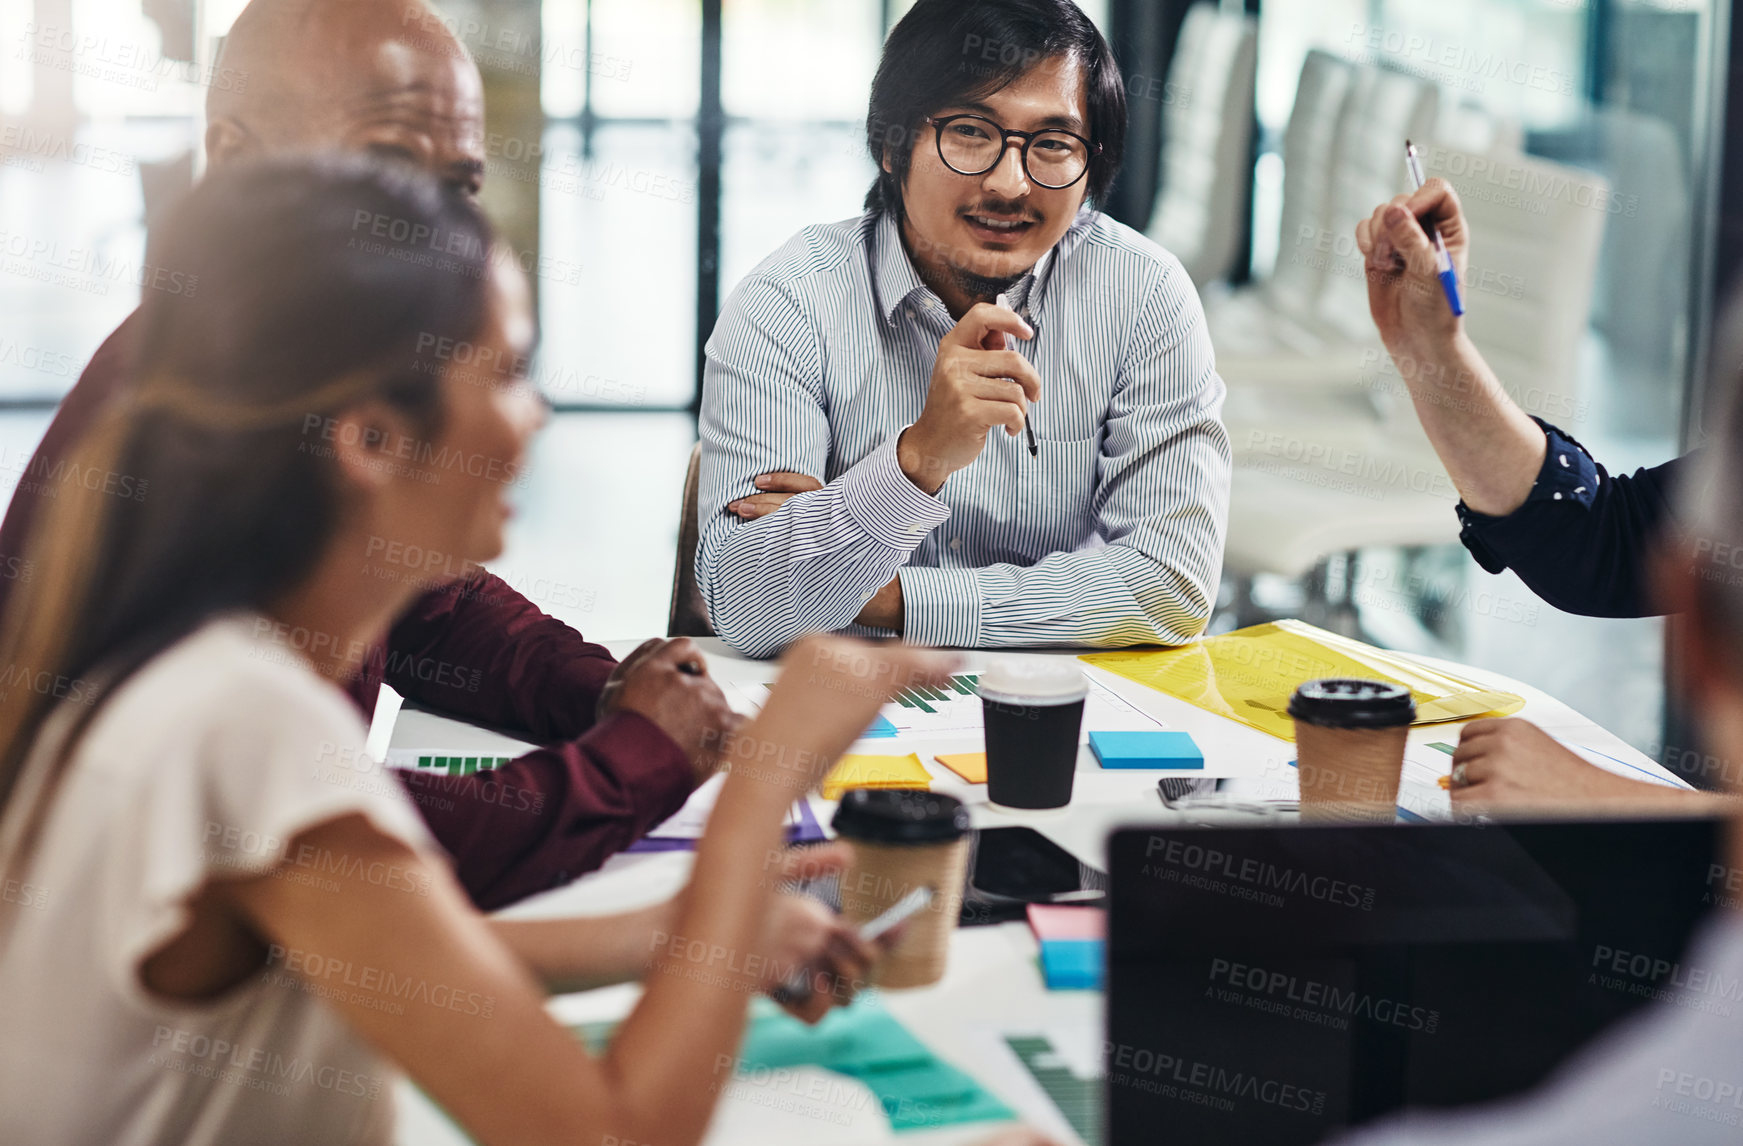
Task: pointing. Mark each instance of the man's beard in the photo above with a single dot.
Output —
(983, 287)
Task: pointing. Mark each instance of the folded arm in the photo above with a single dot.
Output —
(480, 651)
(812, 565)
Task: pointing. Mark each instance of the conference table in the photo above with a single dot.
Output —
(992, 987)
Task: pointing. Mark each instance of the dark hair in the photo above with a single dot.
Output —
(946, 52)
(288, 290)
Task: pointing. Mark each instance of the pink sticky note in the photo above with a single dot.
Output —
(1049, 922)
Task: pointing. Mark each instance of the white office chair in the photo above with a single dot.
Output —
(1536, 231)
(1315, 487)
(1317, 336)
(1273, 315)
(1207, 131)
(1384, 109)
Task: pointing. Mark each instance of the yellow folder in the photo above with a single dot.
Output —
(1249, 675)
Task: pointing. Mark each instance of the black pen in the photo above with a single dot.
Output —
(1004, 300)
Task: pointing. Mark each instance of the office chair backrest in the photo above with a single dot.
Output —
(1536, 229)
(688, 616)
(1207, 134)
(1383, 109)
(1320, 98)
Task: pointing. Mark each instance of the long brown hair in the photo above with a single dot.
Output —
(287, 290)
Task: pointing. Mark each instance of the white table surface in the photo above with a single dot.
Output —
(993, 983)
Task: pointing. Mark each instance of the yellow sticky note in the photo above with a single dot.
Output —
(875, 772)
(971, 766)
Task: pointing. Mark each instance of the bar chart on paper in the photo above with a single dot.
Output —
(448, 762)
(1078, 1097)
(952, 711)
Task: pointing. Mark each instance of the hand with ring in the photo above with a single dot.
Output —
(1514, 766)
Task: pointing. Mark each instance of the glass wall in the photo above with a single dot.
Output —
(101, 106)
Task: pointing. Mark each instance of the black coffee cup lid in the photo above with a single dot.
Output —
(1346, 702)
(900, 816)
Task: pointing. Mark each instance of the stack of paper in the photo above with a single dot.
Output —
(685, 826)
(1248, 675)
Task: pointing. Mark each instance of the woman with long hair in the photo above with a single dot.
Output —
(221, 924)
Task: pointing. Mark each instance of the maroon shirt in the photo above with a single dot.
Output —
(480, 652)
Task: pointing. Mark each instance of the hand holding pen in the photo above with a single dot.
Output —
(979, 385)
(1413, 250)
(1443, 264)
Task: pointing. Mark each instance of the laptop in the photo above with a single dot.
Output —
(1276, 985)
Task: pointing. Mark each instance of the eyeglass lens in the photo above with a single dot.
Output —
(973, 147)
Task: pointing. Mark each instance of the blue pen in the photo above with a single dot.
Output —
(1449, 278)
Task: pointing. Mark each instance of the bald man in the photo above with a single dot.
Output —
(627, 743)
(359, 75)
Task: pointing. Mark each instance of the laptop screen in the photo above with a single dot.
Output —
(1273, 985)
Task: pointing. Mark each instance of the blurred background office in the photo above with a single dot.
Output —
(645, 154)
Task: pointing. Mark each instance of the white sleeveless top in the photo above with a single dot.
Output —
(201, 766)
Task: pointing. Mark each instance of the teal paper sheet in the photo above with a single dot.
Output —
(917, 1089)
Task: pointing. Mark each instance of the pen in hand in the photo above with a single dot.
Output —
(1004, 300)
(1449, 276)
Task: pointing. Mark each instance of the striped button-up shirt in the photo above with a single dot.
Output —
(1113, 536)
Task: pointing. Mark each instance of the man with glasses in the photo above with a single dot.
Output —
(851, 476)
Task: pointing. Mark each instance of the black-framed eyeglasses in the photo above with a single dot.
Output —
(973, 145)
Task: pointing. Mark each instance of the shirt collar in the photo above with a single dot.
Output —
(894, 272)
(897, 280)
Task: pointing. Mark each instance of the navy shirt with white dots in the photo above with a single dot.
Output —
(1583, 539)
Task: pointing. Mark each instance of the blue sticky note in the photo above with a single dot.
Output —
(881, 729)
(1145, 750)
(1069, 964)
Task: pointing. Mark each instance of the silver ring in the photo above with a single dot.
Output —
(1458, 776)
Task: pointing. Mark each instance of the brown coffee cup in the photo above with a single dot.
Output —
(905, 839)
(1349, 748)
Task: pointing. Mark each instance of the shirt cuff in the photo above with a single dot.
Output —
(941, 607)
(892, 510)
(1569, 474)
(654, 771)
